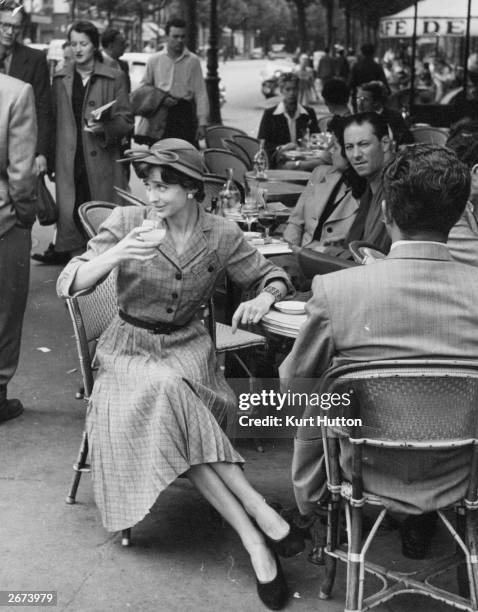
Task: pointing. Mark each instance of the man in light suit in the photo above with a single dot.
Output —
(29, 65)
(404, 306)
(18, 140)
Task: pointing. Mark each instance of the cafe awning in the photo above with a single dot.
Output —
(435, 18)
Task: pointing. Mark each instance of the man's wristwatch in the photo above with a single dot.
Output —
(276, 293)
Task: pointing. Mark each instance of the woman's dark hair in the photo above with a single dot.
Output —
(170, 176)
(357, 183)
(88, 28)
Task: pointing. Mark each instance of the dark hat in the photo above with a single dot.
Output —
(172, 152)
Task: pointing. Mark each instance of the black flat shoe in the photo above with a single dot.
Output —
(290, 545)
(10, 409)
(274, 594)
(51, 257)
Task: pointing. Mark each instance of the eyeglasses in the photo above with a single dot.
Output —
(4, 26)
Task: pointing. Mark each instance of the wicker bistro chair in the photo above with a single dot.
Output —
(249, 144)
(323, 122)
(431, 391)
(234, 147)
(93, 214)
(215, 134)
(219, 160)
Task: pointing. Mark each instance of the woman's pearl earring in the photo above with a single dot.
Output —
(190, 196)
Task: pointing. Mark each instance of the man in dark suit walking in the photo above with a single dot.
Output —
(28, 65)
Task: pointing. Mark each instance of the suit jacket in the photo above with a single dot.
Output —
(275, 130)
(463, 238)
(305, 217)
(416, 303)
(18, 137)
(30, 65)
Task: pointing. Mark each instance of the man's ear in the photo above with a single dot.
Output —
(474, 178)
(386, 143)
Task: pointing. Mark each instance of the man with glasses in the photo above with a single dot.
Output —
(372, 97)
(28, 65)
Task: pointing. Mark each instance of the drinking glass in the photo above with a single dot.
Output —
(250, 211)
(266, 217)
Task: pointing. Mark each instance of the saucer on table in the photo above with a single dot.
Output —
(290, 307)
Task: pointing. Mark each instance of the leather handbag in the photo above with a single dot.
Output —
(46, 208)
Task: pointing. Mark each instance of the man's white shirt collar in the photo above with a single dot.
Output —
(280, 110)
(400, 242)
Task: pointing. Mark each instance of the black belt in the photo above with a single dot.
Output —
(155, 328)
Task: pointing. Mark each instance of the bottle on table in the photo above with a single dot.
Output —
(261, 161)
(229, 197)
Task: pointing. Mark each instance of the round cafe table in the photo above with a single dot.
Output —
(281, 176)
(282, 324)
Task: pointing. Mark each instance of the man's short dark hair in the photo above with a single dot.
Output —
(426, 188)
(378, 123)
(12, 6)
(109, 36)
(335, 91)
(377, 90)
(367, 50)
(288, 77)
(174, 22)
(465, 146)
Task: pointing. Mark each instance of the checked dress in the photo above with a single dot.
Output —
(158, 398)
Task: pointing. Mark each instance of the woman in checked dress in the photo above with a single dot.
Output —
(156, 402)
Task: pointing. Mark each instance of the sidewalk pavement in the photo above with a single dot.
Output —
(183, 557)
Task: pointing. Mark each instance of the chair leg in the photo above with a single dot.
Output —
(461, 570)
(472, 544)
(354, 562)
(79, 467)
(126, 537)
(333, 540)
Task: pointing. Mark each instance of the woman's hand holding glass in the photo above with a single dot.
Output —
(139, 245)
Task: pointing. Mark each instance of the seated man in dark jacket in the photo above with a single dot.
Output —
(283, 125)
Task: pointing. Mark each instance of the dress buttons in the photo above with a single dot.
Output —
(169, 310)
(174, 295)
(210, 269)
(178, 276)
(93, 153)
(92, 103)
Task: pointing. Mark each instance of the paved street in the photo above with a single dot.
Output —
(183, 558)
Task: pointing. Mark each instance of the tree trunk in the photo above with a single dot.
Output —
(189, 7)
(301, 22)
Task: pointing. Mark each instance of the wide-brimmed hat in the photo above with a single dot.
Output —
(172, 152)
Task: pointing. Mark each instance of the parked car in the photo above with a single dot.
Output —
(277, 51)
(257, 53)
